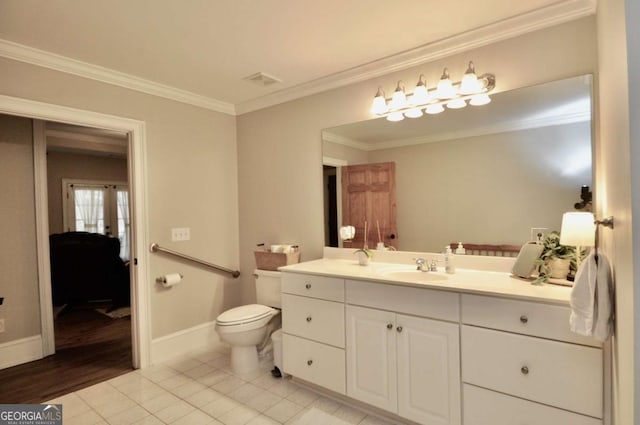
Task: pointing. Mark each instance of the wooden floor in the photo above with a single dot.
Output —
(90, 348)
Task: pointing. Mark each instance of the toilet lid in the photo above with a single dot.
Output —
(244, 314)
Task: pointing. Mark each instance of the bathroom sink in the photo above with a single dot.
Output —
(409, 273)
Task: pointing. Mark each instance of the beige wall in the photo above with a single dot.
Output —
(616, 156)
(488, 189)
(279, 148)
(64, 165)
(191, 182)
(18, 261)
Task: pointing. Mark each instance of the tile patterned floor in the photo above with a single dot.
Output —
(199, 389)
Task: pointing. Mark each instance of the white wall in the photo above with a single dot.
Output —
(19, 281)
(191, 182)
(489, 189)
(280, 152)
(616, 157)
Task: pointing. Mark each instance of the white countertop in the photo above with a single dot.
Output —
(479, 282)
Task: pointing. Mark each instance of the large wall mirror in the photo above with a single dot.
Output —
(483, 174)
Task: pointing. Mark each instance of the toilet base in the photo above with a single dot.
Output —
(244, 359)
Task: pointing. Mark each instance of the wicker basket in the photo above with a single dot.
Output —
(266, 260)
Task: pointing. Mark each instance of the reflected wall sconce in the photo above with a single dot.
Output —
(472, 90)
(347, 233)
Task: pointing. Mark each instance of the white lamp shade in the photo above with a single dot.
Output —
(456, 104)
(577, 229)
(413, 113)
(347, 232)
(480, 99)
(433, 109)
(420, 96)
(395, 116)
(379, 105)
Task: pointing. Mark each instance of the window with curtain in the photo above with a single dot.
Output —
(98, 207)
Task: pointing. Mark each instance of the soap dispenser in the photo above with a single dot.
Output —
(460, 249)
(449, 265)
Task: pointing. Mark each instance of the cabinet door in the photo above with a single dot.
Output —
(371, 357)
(428, 370)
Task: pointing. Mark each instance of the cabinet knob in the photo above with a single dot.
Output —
(309, 362)
(308, 318)
(389, 325)
(308, 286)
(524, 370)
(399, 328)
(524, 319)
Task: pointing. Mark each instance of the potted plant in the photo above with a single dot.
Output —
(556, 259)
(364, 255)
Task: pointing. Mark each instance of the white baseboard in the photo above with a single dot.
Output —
(199, 337)
(20, 351)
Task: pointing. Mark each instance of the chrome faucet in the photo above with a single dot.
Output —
(421, 264)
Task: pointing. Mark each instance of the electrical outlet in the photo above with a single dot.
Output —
(538, 233)
(1, 325)
(180, 234)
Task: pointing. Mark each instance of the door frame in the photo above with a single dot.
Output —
(136, 151)
(337, 163)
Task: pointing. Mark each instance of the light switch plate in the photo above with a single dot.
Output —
(180, 234)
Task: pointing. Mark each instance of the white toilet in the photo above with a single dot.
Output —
(246, 327)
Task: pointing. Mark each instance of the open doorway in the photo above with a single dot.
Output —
(37, 343)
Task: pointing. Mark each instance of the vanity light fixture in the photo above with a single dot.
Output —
(472, 90)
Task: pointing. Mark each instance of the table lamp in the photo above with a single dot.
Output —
(578, 229)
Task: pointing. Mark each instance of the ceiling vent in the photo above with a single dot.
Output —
(262, 79)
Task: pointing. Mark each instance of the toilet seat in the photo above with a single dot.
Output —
(245, 314)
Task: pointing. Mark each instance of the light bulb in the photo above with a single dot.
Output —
(379, 105)
(399, 99)
(480, 99)
(456, 104)
(413, 113)
(470, 83)
(395, 116)
(445, 89)
(436, 108)
(420, 93)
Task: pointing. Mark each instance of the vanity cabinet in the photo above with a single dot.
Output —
(523, 349)
(401, 363)
(313, 328)
(439, 356)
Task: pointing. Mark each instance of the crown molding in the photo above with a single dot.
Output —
(546, 121)
(23, 53)
(555, 14)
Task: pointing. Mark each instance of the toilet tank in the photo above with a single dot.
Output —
(268, 288)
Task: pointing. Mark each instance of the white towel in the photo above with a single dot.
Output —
(591, 299)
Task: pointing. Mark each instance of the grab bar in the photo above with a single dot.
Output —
(157, 248)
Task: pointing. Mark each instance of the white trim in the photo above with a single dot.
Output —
(140, 311)
(334, 162)
(554, 14)
(20, 351)
(461, 134)
(200, 337)
(23, 53)
(42, 237)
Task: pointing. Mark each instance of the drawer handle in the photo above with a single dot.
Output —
(309, 362)
(524, 319)
(308, 286)
(399, 328)
(389, 325)
(308, 318)
(524, 370)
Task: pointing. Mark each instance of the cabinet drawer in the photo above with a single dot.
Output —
(524, 317)
(317, 363)
(319, 320)
(402, 299)
(484, 407)
(326, 288)
(559, 374)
